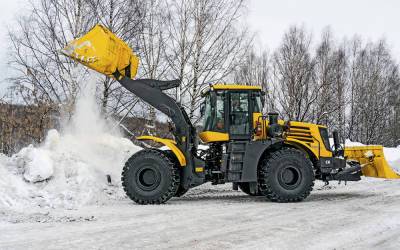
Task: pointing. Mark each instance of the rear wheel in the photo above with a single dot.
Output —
(286, 175)
(245, 187)
(150, 177)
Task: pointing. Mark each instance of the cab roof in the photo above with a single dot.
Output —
(234, 87)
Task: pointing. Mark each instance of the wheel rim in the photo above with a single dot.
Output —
(289, 177)
(148, 178)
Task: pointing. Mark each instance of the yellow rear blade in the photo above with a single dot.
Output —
(103, 52)
(373, 159)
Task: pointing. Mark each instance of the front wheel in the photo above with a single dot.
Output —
(286, 175)
(150, 177)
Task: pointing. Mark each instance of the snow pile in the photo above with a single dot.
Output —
(352, 143)
(70, 168)
(36, 164)
(392, 155)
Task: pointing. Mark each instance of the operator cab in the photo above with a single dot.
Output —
(229, 112)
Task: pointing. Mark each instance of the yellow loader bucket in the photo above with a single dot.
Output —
(103, 52)
(373, 161)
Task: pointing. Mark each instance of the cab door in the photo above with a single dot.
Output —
(239, 115)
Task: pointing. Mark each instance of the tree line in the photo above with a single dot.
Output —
(351, 86)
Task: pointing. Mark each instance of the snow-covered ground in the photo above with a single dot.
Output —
(56, 196)
(361, 215)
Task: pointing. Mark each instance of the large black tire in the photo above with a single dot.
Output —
(150, 177)
(286, 175)
(245, 187)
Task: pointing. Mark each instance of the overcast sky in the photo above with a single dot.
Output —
(8, 10)
(371, 19)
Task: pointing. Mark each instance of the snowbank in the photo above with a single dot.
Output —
(352, 143)
(392, 156)
(70, 168)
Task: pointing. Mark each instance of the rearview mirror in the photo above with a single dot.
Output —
(263, 97)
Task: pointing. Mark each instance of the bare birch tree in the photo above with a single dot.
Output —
(125, 19)
(151, 43)
(330, 79)
(40, 70)
(180, 41)
(218, 45)
(255, 70)
(292, 75)
(394, 106)
(373, 71)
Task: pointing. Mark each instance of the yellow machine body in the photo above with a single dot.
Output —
(211, 136)
(234, 87)
(373, 161)
(103, 52)
(307, 135)
(302, 135)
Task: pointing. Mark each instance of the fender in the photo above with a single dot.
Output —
(171, 144)
(302, 146)
(256, 149)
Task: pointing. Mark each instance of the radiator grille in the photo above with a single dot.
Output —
(300, 133)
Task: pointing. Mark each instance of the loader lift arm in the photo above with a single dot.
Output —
(150, 91)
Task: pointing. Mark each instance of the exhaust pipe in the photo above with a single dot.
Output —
(274, 129)
(336, 144)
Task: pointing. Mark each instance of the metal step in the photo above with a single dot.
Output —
(236, 153)
(236, 161)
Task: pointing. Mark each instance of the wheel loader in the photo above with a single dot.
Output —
(259, 154)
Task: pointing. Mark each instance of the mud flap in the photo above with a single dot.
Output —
(372, 160)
